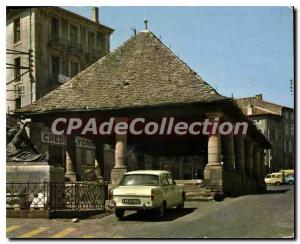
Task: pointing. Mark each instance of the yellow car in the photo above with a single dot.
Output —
(274, 179)
(147, 189)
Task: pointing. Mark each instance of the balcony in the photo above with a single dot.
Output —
(55, 41)
(75, 47)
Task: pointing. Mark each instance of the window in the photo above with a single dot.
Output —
(74, 69)
(55, 67)
(292, 129)
(286, 129)
(55, 29)
(91, 41)
(17, 74)
(73, 36)
(101, 41)
(18, 103)
(17, 30)
(139, 180)
(164, 180)
(170, 180)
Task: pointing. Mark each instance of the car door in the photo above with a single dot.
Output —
(174, 191)
(166, 190)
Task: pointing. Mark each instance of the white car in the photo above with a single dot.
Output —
(147, 189)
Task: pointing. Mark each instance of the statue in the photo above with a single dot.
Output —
(19, 148)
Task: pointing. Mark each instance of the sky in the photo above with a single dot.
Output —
(240, 51)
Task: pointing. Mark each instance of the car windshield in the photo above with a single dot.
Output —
(139, 180)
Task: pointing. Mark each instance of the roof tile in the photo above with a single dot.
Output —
(141, 72)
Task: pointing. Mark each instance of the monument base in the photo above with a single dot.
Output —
(33, 172)
(213, 178)
(38, 180)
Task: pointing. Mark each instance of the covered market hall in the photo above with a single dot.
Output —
(144, 79)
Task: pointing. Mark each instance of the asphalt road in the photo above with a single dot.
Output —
(269, 215)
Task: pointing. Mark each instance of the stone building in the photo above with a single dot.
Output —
(62, 44)
(144, 79)
(276, 122)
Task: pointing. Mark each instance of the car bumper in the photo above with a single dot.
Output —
(112, 204)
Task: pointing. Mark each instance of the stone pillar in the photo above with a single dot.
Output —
(213, 177)
(71, 159)
(249, 157)
(229, 158)
(120, 167)
(213, 169)
(239, 149)
(256, 164)
(99, 160)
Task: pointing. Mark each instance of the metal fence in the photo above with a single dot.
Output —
(55, 196)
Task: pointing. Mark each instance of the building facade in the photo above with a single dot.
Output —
(47, 46)
(276, 122)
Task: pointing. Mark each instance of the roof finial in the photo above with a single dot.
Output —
(134, 30)
(146, 24)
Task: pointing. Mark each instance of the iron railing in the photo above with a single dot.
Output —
(55, 196)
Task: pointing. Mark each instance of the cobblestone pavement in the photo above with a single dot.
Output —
(252, 216)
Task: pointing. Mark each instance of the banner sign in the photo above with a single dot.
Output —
(85, 143)
(49, 138)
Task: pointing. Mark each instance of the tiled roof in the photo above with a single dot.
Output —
(141, 72)
(259, 106)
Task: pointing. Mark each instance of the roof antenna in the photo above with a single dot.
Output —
(146, 24)
(134, 30)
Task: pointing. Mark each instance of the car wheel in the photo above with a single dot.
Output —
(162, 210)
(291, 182)
(181, 205)
(277, 183)
(119, 213)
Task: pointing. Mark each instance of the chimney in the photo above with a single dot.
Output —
(250, 109)
(95, 14)
(258, 96)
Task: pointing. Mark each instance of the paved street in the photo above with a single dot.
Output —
(261, 216)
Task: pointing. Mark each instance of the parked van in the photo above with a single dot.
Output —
(274, 179)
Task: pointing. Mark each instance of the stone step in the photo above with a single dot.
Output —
(202, 194)
(200, 198)
(189, 182)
